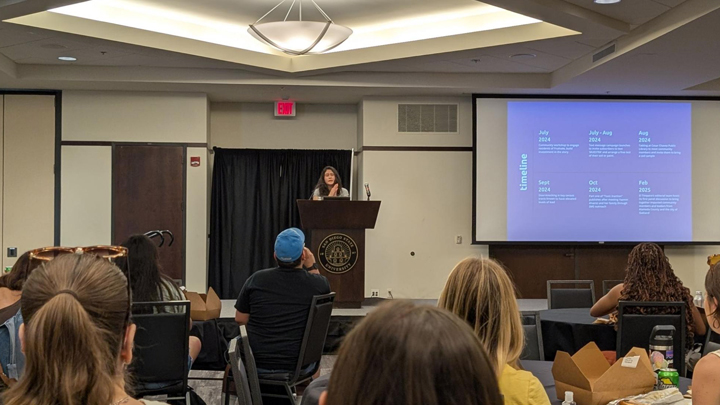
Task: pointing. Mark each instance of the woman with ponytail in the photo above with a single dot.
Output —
(77, 337)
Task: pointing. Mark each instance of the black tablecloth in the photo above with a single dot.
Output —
(572, 328)
(540, 369)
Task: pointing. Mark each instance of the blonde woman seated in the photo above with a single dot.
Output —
(480, 292)
(706, 376)
(77, 336)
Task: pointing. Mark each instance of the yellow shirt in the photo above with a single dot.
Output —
(520, 387)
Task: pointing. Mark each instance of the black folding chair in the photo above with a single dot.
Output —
(533, 349)
(310, 354)
(160, 365)
(244, 372)
(712, 342)
(634, 329)
(608, 285)
(559, 298)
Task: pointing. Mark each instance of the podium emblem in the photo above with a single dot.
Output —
(338, 253)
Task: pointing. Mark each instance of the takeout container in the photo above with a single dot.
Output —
(595, 382)
(204, 307)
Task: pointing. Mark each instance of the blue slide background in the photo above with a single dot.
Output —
(599, 171)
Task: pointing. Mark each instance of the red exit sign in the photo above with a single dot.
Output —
(284, 108)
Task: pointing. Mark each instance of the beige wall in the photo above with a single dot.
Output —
(28, 150)
(134, 117)
(426, 201)
(252, 125)
(130, 117)
(426, 195)
(380, 123)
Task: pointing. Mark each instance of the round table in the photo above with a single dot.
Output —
(543, 371)
(570, 329)
(540, 369)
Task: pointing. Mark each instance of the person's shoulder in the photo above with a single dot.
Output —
(270, 271)
(520, 386)
(319, 279)
(708, 368)
(517, 375)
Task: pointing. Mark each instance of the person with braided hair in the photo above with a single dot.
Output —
(650, 277)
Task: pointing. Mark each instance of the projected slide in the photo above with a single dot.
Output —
(599, 171)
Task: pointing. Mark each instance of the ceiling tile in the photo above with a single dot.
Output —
(670, 3)
(568, 48)
(633, 12)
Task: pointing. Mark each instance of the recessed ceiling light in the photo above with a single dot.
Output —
(523, 56)
(607, 1)
(67, 58)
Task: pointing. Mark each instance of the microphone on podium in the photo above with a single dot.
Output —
(367, 190)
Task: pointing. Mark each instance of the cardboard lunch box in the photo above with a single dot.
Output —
(204, 307)
(594, 381)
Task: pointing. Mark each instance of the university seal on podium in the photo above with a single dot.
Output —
(338, 253)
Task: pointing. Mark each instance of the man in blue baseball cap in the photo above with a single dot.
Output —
(274, 303)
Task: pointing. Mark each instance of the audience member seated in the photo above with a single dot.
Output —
(650, 277)
(11, 358)
(706, 376)
(406, 354)
(480, 292)
(274, 304)
(147, 281)
(77, 335)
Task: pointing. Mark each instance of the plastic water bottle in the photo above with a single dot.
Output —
(568, 398)
(699, 301)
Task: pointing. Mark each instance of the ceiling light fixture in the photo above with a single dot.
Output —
(607, 1)
(67, 58)
(300, 37)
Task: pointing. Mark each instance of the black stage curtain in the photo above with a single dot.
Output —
(253, 199)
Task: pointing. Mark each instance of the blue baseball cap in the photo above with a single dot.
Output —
(289, 245)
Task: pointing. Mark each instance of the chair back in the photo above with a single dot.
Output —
(161, 345)
(533, 349)
(608, 285)
(240, 377)
(712, 342)
(311, 349)
(559, 298)
(250, 367)
(634, 330)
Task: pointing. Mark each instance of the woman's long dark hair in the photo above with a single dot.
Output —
(323, 188)
(650, 277)
(406, 354)
(145, 270)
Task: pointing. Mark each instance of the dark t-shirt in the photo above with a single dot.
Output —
(278, 301)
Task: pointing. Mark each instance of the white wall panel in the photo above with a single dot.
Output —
(86, 197)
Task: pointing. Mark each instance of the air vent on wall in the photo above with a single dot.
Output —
(605, 52)
(427, 117)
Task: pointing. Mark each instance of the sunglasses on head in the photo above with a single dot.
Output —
(51, 252)
(104, 251)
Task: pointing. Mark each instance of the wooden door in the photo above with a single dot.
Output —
(531, 266)
(148, 194)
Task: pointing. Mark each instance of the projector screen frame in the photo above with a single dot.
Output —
(586, 97)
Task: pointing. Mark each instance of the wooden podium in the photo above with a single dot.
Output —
(335, 233)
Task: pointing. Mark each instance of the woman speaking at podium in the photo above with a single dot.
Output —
(329, 185)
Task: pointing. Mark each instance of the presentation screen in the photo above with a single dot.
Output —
(591, 170)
